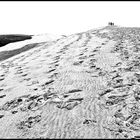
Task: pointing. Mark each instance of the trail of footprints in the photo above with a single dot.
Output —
(82, 86)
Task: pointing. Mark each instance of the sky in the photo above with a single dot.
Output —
(64, 18)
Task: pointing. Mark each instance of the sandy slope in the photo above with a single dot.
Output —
(35, 39)
(85, 85)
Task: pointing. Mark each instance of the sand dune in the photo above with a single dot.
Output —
(85, 85)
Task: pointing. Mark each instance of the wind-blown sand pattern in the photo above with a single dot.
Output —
(86, 85)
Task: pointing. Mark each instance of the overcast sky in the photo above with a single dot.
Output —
(65, 17)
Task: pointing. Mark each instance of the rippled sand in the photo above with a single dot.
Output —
(85, 85)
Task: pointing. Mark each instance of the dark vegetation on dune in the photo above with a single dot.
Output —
(6, 39)
(7, 54)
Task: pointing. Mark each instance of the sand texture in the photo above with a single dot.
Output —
(86, 85)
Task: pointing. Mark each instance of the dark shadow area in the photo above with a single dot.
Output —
(7, 54)
(6, 39)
